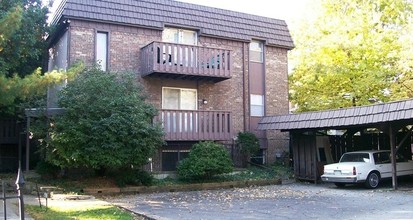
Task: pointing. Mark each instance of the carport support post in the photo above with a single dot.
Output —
(27, 143)
(393, 156)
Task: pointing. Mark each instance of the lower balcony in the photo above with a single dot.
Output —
(195, 125)
(180, 61)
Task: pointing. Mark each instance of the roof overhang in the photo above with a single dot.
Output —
(399, 112)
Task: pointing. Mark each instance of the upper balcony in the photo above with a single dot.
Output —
(182, 61)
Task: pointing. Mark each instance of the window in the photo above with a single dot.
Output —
(355, 157)
(257, 105)
(102, 50)
(187, 54)
(176, 98)
(259, 157)
(381, 158)
(256, 51)
(171, 158)
(179, 36)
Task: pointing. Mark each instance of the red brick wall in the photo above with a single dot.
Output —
(228, 94)
(276, 98)
(232, 95)
(124, 43)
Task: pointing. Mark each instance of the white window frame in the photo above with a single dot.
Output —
(180, 34)
(257, 105)
(102, 49)
(257, 47)
(179, 101)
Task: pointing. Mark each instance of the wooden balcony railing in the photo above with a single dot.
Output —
(194, 125)
(185, 61)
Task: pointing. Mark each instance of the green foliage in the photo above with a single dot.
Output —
(254, 173)
(23, 31)
(248, 143)
(10, 22)
(282, 171)
(106, 124)
(353, 53)
(16, 90)
(47, 170)
(133, 177)
(205, 160)
(79, 212)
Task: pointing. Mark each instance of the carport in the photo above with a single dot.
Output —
(316, 137)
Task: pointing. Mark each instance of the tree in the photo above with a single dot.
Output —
(205, 160)
(17, 91)
(351, 55)
(106, 124)
(9, 24)
(23, 31)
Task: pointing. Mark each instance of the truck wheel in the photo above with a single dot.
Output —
(372, 180)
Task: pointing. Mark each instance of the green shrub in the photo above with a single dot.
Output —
(133, 177)
(248, 143)
(47, 170)
(282, 171)
(205, 160)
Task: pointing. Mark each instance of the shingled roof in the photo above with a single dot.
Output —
(156, 14)
(364, 115)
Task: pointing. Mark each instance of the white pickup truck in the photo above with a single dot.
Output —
(367, 167)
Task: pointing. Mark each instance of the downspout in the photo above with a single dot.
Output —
(243, 83)
(264, 86)
(69, 39)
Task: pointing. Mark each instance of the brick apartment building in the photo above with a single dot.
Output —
(210, 72)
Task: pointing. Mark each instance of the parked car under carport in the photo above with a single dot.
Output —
(367, 167)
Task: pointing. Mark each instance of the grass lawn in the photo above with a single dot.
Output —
(90, 213)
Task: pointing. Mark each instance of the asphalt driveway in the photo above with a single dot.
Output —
(290, 201)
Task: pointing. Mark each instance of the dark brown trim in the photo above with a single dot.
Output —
(69, 40)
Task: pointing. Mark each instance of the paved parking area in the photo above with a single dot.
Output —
(290, 201)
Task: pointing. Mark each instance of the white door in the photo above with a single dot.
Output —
(180, 36)
(180, 99)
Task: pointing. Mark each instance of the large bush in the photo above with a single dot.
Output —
(205, 160)
(106, 124)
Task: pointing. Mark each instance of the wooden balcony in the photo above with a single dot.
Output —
(194, 125)
(168, 60)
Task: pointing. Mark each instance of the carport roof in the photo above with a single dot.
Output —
(346, 117)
